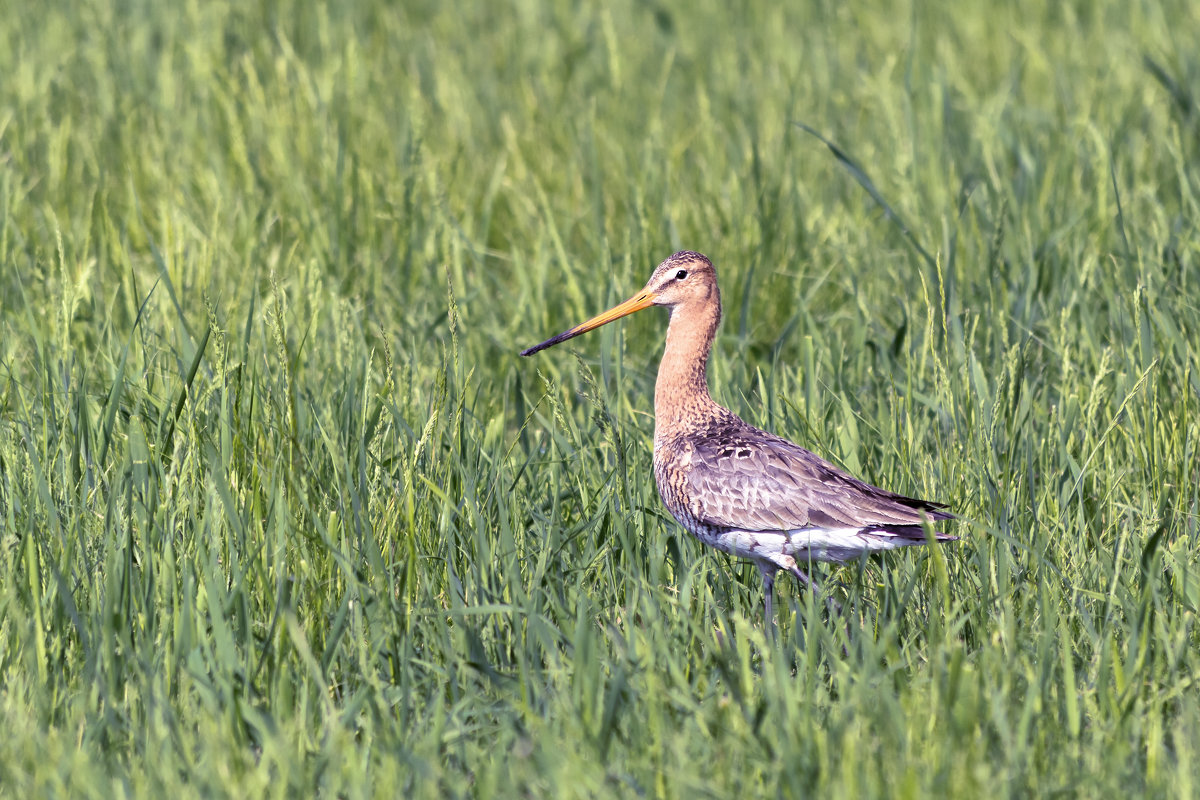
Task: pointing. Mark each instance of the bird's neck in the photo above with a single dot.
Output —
(681, 397)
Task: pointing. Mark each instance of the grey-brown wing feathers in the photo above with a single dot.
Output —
(748, 479)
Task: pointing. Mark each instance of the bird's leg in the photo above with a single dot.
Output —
(807, 581)
(835, 608)
(833, 605)
(768, 576)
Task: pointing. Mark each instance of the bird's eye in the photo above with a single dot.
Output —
(681, 274)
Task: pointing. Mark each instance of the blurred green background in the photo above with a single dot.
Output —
(282, 512)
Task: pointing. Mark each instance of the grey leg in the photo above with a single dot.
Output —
(807, 581)
(768, 575)
(833, 605)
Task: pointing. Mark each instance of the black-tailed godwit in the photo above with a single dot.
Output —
(734, 487)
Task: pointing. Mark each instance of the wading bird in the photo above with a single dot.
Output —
(734, 487)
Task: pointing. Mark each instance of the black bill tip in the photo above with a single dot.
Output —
(553, 340)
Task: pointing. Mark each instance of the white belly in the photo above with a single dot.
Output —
(806, 544)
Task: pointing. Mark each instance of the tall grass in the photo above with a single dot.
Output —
(281, 511)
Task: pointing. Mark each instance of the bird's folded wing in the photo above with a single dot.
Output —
(768, 483)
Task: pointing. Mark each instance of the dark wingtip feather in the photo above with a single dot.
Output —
(933, 509)
(912, 532)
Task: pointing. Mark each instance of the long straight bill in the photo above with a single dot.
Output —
(643, 299)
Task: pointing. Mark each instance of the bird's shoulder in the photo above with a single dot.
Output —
(736, 449)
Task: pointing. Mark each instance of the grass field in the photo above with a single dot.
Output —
(283, 513)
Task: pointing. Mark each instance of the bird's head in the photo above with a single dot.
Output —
(683, 279)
